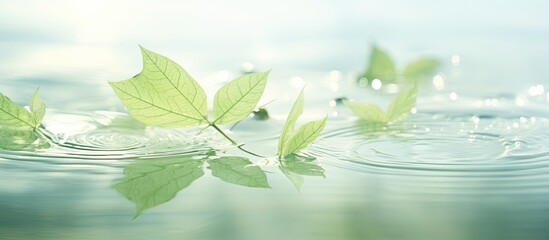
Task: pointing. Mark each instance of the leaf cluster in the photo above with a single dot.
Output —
(382, 67)
(397, 110)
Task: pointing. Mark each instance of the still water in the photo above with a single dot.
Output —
(471, 162)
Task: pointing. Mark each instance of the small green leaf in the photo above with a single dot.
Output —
(420, 68)
(15, 116)
(297, 110)
(151, 182)
(37, 107)
(366, 111)
(163, 94)
(238, 170)
(238, 98)
(402, 105)
(380, 66)
(303, 136)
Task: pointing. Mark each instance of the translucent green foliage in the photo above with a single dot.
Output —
(238, 170)
(151, 182)
(37, 107)
(402, 105)
(163, 94)
(21, 140)
(295, 167)
(303, 136)
(366, 111)
(17, 117)
(291, 140)
(380, 66)
(236, 99)
(398, 109)
(420, 68)
(297, 110)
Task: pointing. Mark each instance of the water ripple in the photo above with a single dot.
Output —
(457, 145)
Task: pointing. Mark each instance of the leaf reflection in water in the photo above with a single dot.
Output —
(149, 182)
(296, 166)
(21, 140)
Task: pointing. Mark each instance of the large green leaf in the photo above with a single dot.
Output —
(366, 111)
(236, 99)
(380, 66)
(163, 94)
(402, 105)
(37, 107)
(15, 116)
(420, 68)
(303, 136)
(238, 170)
(297, 110)
(151, 182)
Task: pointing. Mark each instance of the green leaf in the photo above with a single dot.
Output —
(151, 182)
(402, 105)
(303, 136)
(15, 116)
(297, 110)
(366, 111)
(380, 66)
(37, 107)
(238, 170)
(399, 108)
(163, 94)
(238, 98)
(21, 140)
(420, 68)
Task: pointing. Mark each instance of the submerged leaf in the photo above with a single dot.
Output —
(297, 110)
(380, 66)
(420, 68)
(163, 94)
(151, 182)
(238, 170)
(238, 98)
(303, 136)
(37, 107)
(15, 116)
(402, 105)
(366, 111)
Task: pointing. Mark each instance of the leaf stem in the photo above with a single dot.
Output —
(223, 133)
(239, 146)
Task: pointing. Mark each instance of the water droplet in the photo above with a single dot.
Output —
(376, 84)
(453, 96)
(456, 60)
(438, 81)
